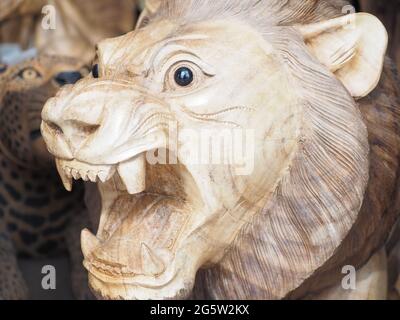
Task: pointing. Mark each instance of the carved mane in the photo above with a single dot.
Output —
(255, 12)
(318, 199)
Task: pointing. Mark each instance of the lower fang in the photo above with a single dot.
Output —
(89, 242)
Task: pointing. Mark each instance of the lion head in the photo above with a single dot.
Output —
(280, 86)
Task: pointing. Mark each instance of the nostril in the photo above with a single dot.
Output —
(88, 130)
(54, 128)
(83, 128)
(77, 132)
(95, 71)
(64, 78)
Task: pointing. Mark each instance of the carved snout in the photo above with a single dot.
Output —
(94, 119)
(68, 124)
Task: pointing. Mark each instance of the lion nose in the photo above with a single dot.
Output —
(73, 132)
(66, 133)
(77, 132)
(70, 77)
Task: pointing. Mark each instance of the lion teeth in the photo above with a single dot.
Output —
(68, 172)
(103, 176)
(65, 178)
(80, 170)
(92, 176)
(75, 174)
(133, 174)
(84, 176)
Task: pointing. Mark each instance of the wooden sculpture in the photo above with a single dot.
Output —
(37, 217)
(78, 25)
(318, 190)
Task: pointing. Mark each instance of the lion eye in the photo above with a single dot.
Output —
(95, 70)
(183, 76)
(29, 74)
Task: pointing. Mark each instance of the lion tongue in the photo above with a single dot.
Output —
(133, 174)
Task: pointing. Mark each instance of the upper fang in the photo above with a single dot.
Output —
(66, 180)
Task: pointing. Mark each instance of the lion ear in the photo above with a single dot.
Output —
(353, 47)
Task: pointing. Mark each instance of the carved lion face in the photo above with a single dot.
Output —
(142, 127)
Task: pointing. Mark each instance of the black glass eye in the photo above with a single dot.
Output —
(95, 71)
(3, 68)
(71, 77)
(183, 76)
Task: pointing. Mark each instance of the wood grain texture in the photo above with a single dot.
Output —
(382, 201)
(324, 191)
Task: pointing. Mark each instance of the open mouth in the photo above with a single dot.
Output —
(144, 218)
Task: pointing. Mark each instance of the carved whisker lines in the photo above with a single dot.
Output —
(225, 123)
(214, 115)
(160, 126)
(159, 118)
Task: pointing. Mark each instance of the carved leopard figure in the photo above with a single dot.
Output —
(37, 216)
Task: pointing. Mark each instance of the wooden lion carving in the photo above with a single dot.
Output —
(320, 189)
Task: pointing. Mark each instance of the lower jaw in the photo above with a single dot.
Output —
(120, 290)
(174, 213)
(146, 282)
(156, 220)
